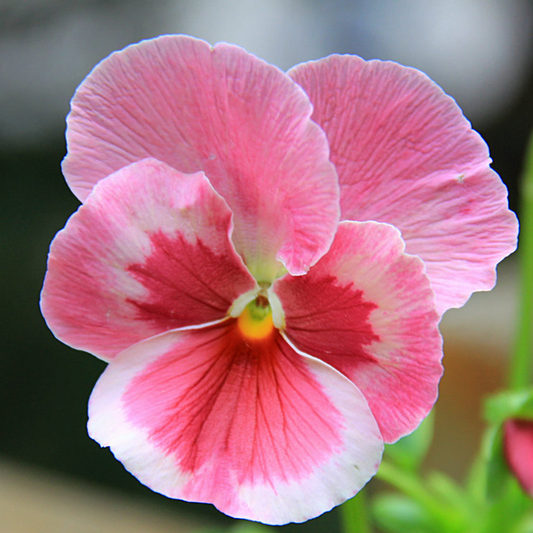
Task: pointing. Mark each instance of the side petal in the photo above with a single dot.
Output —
(221, 110)
(255, 428)
(149, 251)
(367, 309)
(406, 155)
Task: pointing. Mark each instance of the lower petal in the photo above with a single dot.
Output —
(367, 309)
(255, 428)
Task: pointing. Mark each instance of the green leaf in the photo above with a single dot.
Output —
(395, 513)
(449, 492)
(409, 452)
(509, 404)
(525, 525)
(498, 409)
(508, 511)
(412, 485)
(496, 471)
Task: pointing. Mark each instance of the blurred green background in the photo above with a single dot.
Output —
(481, 52)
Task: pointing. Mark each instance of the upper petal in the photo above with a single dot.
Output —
(149, 251)
(406, 155)
(220, 110)
(367, 309)
(255, 428)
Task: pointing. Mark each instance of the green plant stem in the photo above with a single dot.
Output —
(520, 376)
(411, 486)
(354, 515)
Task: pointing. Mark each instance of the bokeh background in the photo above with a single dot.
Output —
(51, 473)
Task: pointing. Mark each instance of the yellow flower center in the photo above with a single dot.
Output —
(255, 322)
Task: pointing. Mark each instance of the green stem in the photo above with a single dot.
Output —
(411, 486)
(520, 376)
(354, 515)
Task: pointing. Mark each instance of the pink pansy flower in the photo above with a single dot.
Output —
(263, 258)
(518, 450)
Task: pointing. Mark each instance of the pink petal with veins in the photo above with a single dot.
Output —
(256, 428)
(367, 309)
(148, 252)
(406, 155)
(223, 111)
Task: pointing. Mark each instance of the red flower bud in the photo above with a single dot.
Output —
(518, 450)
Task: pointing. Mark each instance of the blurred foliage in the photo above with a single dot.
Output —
(410, 452)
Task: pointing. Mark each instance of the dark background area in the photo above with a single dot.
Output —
(44, 385)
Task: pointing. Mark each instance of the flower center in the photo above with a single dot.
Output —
(255, 321)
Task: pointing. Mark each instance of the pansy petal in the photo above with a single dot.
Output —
(149, 251)
(242, 121)
(255, 428)
(406, 155)
(367, 309)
